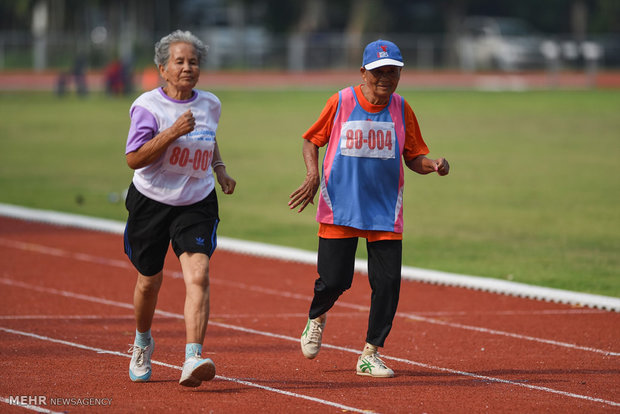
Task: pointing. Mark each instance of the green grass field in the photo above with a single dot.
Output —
(533, 195)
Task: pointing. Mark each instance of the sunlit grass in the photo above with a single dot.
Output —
(533, 195)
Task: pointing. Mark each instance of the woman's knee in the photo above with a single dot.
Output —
(195, 269)
(334, 287)
(149, 285)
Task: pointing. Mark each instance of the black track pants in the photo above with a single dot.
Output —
(336, 262)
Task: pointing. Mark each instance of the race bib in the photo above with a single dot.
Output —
(191, 154)
(368, 139)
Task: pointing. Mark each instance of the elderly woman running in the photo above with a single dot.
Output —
(173, 151)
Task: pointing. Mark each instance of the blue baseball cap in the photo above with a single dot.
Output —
(382, 53)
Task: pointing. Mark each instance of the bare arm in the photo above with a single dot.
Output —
(304, 195)
(423, 165)
(153, 149)
(227, 183)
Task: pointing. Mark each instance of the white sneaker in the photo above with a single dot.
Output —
(312, 336)
(373, 366)
(140, 364)
(196, 370)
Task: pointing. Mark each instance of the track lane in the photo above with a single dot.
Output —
(475, 376)
(422, 341)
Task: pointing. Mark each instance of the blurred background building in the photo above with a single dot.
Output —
(305, 35)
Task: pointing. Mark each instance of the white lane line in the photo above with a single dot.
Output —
(268, 291)
(302, 256)
(325, 345)
(507, 382)
(510, 334)
(63, 317)
(280, 293)
(155, 362)
(30, 407)
(434, 367)
(53, 251)
(537, 312)
(212, 317)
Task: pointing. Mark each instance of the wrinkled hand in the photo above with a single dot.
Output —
(441, 166)
(184, 124)
(227, 183)
(304, 195)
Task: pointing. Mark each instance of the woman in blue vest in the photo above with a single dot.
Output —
(369, 130)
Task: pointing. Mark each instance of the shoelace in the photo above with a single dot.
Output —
(140, 356)
(315, 332)
(375, 360)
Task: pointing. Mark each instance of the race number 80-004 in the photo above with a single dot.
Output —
(368, 139)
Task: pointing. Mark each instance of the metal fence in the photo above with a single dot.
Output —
(254, 49)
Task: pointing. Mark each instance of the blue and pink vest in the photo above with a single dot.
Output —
(363, 178)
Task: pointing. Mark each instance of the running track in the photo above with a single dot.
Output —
(66, 322)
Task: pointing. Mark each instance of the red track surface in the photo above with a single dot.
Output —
(274, 80)
(67, 294)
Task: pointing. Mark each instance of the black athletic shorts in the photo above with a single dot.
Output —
(152, 225)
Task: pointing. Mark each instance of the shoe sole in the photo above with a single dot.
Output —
(143, 378)
(308, 355)
(365, 374)
(204, 372)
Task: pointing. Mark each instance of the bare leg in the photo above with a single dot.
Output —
(196, 275)
(145, 300)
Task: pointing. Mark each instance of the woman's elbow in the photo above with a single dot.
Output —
(132, 161)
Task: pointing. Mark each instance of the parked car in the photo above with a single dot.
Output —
(499, 43)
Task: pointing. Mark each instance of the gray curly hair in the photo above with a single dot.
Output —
(162, 48)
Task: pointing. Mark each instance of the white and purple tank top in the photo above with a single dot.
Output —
(183, 174)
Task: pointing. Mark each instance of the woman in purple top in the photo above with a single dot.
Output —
(173, 151)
